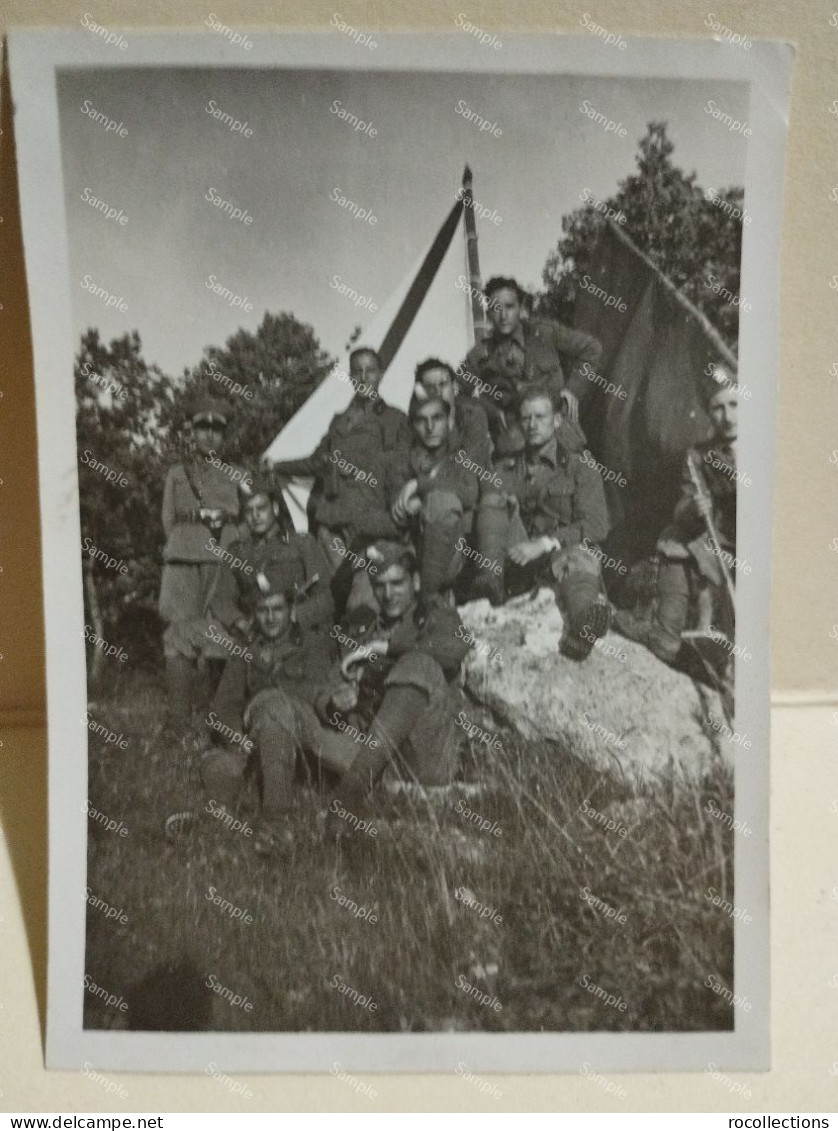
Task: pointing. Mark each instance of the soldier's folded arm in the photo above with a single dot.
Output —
(576, 347)
(315, 464)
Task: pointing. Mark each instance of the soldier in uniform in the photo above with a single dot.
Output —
(551, 509)
(431, 492)
(689, 569)
(200, 510)
(347, 507)
(390, 701)
(468, 423)
(239, 722)
(269, 541)
(519, 353)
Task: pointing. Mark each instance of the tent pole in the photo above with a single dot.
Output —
(480, 323)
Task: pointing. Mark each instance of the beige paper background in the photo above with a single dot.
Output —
(804, 657)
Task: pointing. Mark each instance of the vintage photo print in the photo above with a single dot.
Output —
(406, 415)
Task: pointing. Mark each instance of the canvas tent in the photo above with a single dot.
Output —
(429, 313)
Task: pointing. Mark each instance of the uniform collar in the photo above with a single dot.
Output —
(518, 337)
(548, 455)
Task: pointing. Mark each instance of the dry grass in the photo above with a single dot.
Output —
(409, 961)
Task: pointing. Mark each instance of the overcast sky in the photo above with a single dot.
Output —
(299, 152)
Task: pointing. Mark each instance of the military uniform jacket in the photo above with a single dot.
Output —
(428, 632)
(471, 430)
(442, 473)
(363, 435)
(186, 536)
(574, 348)
(296, 665)
(559, 495)
(509, 363)
(532, 356)
(299, 557)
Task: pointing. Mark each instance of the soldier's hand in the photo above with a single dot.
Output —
(345, 697)
(243, 627)
(571, 405)
(375, 648)
(704, 504)
(407, 502)
(525, 552)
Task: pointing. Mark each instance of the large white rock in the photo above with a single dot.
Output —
(657, 716)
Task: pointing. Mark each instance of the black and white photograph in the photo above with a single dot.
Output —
(393, 533)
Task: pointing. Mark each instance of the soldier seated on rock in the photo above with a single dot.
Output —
(469, 424)
(549, 506)
(272, 540)
(399, 686)
(689, 571)
(432, 494)
(519, 353)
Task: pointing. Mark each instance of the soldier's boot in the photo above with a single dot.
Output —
(586, 612)
(222, 773)
(179, 691)
(671, 612)
(396, 718)
(491, 530)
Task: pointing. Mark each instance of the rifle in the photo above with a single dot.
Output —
(705, 507)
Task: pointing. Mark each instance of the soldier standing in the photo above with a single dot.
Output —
(689, 565)
(551, 507)
(200, 510)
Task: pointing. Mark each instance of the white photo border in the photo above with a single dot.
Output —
(35, 57)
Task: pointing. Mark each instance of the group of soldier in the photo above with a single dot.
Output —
(335, 653)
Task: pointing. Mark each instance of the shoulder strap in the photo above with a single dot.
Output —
(189, 472)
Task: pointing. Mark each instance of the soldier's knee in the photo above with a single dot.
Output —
(419, 670)
(272, 707)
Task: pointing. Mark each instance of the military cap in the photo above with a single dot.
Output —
(384, 554)
(721, 377)
(273, 580)
(421, 397)
(207, 409)
(260, 483)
